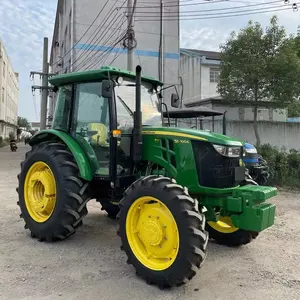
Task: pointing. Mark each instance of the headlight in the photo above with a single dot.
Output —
(251, 150)
(228, 150)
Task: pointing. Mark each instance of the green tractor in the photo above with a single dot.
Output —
(169, 186)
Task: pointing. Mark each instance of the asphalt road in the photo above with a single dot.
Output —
(90, 265)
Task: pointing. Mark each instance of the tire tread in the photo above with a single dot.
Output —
(76, 193)
(195, 248)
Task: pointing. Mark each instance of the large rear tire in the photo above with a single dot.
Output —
(224, 233)
(52, 196)
(162, 231)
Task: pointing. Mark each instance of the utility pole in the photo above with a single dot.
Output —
(131, 41)
(44, 88)
(44, 97)
(161, 42)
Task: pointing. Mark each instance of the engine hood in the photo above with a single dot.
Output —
(193, 134)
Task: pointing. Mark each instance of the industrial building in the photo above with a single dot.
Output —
(200, 71)
(9, 95)
(83, 42)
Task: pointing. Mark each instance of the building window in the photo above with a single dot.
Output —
(214, 75)
(3, 93)
(4, 67)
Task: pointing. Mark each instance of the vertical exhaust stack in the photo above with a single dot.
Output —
(137, 130)
(224, 123)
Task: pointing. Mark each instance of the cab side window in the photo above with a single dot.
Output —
(92, 113)
(63, 108)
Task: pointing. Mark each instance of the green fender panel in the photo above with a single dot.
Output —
(84, 164)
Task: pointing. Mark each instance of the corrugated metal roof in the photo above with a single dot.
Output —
(198, 53)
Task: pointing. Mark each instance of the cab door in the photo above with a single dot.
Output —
(92, 122)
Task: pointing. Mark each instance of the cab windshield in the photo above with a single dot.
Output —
(125, 100)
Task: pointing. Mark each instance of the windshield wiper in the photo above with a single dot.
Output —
(125, 105)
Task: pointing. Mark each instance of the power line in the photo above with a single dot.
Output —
(207, 10)
(168, 1)
(102, 61)
(250, 12)
(117, 53)
(97, 35)
(99, 58)
(83, 34)
(107, 51)
(115, 57)
(89, 58)
(218, 14)
(204, 2)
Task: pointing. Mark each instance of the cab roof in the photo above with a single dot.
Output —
(192, 112)
(96, 75)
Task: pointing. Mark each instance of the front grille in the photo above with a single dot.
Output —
(214, 170)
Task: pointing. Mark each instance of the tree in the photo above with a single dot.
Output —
(294, 110)
(258, 65)
(23, 122)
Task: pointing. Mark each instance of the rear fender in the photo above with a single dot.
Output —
(85, 163)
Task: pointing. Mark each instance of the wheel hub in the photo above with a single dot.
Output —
(151, 233)
(40, 192)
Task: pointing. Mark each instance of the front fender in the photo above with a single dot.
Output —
(80, 156)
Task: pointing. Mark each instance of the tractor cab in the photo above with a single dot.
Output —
(99, 111)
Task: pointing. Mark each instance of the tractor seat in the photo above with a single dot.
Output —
(100, 138)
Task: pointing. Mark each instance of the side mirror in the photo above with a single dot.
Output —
(107, 89)
(174, 100)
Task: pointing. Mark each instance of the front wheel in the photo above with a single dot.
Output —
(223, 232)
(52, 196)
(162, 231)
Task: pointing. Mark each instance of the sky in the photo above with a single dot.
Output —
(24, 24)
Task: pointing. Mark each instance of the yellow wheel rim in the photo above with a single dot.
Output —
(40, 192)
(224, 225)
(152, 233)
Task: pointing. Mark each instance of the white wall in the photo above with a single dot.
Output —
(195, 73)
(9, 94)
(247, 113)
(190, 71)
(280, 134)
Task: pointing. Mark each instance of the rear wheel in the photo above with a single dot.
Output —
(162, 231)
(225, 233)
(52, 196)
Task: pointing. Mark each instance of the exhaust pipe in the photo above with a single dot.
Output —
(137, 129)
